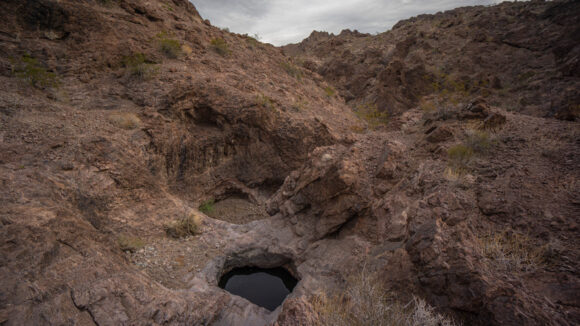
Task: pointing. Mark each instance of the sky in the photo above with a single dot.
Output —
(280, 22)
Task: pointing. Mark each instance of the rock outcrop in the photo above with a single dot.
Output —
(524, 56)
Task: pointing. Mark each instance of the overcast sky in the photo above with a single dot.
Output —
(285, 21)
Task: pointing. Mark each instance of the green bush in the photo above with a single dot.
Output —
(171, 48)
(220, 46)
(329, 91)
(207, 206)
(30, 70)
(371, 114)
(189, 225)
(291, 69)
(138, 66)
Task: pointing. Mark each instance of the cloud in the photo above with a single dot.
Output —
(281, 22)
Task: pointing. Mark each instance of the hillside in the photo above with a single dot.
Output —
(521, 56)
(145, 153)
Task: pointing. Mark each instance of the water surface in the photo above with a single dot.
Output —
(265, 287)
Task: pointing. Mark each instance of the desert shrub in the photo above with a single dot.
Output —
(291, 69)
(31, 71)
(371, 114)
(479, 141)
(220, 46)
(207, 206)
(300, 105)
(125, 120)
(171, 48)
(186, 49)
(189, 225)
(358, 129)
(366, 302)
(139, 67)
(459, 156)
(167, 6)
(511, 251)
(265, 101)
(329, 91)
(130, 243)
(252, 40)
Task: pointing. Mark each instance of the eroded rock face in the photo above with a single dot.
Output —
(135, 137)
(484, 51)
(323, 195)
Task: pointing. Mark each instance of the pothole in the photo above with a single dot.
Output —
(265, 287)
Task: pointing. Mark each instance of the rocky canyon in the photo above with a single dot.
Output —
(433, 169)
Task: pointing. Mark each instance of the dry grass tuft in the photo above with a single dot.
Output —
(190, 225)
(125, 120)
(459, 156)
(329, 91)
(512, 252)
(186, 49)
(370, 113)
(479, 141)
(366, 302)
(291, 69)
(130, 243)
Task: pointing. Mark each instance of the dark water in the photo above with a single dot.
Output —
(265, 287)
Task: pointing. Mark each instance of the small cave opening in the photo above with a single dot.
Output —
(265, 287)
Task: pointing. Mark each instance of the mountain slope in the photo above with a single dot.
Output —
(521, 56)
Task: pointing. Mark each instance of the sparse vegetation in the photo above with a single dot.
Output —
(189, 225)
(300, 105)
(30, 70)
(170, 47)
(130, 243)
(265, 101)
(447, 88)
(511, 252)
(479, 141)
(220, 46)
(252, 40)
(186, 49)
(207, 206)
(329, 91)
(125, 120)
(167, 6)
(291, 69)
(371, 114)
(139, 67)
(358, 129)
(366, 302)
(459, 156)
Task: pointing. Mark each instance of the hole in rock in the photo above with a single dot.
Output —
(265, 287)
